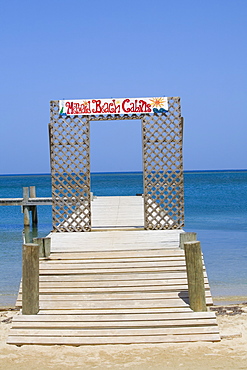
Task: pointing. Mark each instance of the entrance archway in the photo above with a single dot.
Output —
(162, 134)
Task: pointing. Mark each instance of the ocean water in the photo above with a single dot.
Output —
(215, 208)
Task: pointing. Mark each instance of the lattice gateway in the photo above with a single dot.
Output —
(162, 136)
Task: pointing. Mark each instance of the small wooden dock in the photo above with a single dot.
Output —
(118, 284)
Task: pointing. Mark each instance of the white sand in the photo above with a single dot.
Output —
(230, 353)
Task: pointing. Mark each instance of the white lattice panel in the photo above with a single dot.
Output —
(70, 169)
(162, 168)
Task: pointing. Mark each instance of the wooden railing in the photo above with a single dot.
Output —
(29, 204)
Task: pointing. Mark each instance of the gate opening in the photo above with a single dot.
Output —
(115, 146)
(116, 169)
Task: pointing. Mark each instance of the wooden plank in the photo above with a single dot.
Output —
(78, 303)
(132, 284)
(20, 201)
(120, 304)
(152, 316)
(76, 341)
(134, 289)
(78, 291)
(117, 331)
(115, 240)
(111, 265)
(118, 253)
(69, 303)
(117, 277)
(123, 255)
(110, 311)
(84, 261)
(113, 324)
(111, 270)
(124, 284)
(115, 296)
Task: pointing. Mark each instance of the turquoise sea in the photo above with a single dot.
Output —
(215, 208)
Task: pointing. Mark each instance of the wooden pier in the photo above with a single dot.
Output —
(117, 284)
(28, 204)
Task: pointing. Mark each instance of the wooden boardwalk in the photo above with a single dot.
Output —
(118, 284)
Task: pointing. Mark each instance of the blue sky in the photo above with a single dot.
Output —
(76, 49)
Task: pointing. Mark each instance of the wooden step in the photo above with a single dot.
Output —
(114, 296)
(97, 340)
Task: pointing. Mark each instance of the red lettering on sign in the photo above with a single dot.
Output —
(70, 109)
(97, 106)
(139, 106)
(107, 106)
(76, 108)
(124, 107)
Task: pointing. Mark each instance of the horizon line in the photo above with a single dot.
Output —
(122, 172)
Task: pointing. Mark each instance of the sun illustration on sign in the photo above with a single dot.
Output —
(157, 102)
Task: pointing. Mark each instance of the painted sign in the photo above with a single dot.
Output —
(113, 106)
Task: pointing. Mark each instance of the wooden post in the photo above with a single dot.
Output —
(26, 207)
(32, 192)
(44, 246)
(30, 279)
(34, 208)
(194, 267)
(186, 237)
(47, 246)
(26, 235)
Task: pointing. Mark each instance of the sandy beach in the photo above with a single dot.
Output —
(230, 353)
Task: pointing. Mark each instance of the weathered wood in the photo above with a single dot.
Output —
(186, 237)
(112, 265)
(84, 311)
(118, 332)
(20, 202)
(30, 279)
(120, 304)
(113, 324)
(115, 296)
(116, 254)
(33, 207)
(26, 235)
(26, 216)
(127, 284)
(25, 208)
(47, 246)
(103, 317)
(25, 194)
(111, 270)
(116, 277)
(75, 290)
(44, 246)
(39, 242)
(32, 191)
(82, 260)
(194, 266)
(116, 240)
(77, 341)
(114, 286)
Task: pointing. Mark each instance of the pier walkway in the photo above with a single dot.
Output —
(118, 284)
